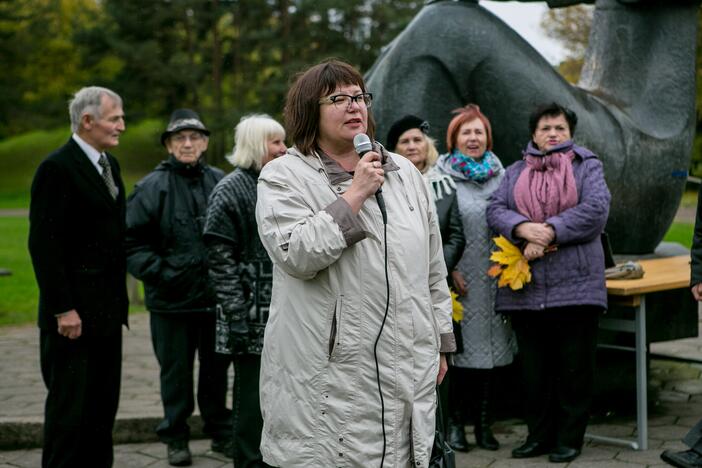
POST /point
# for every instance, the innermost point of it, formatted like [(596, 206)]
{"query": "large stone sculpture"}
[(635, 99)]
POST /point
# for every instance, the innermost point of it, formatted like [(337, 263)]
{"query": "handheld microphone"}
[(362, 144)]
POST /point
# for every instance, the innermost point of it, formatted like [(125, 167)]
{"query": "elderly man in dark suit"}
[(77, 225)]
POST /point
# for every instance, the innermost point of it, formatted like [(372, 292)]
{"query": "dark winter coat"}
[(696, 251), (240, 269), (165, 220), (443, 190), (451, 230), (573, 274)]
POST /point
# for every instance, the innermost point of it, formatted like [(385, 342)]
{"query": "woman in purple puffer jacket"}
[(556, 198)]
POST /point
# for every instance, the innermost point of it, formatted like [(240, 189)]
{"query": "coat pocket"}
[(176, 269), (334, 329)]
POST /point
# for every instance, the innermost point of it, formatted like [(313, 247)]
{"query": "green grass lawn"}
[(681, 233), (18, 292)]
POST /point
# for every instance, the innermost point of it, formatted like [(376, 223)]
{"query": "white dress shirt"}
[(92, 153)]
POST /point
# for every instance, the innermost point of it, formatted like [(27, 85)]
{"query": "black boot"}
[(457, 437), (456, 434), (484, 437)]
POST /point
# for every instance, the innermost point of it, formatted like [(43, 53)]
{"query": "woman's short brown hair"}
[(301, 113), (463, 115)]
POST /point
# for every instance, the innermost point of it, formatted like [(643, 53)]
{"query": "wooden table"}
[(660, 274)]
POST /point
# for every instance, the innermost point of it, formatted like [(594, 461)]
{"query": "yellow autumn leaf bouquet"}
[(511, 266)]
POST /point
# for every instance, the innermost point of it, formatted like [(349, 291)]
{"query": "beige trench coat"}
[(319, 394)]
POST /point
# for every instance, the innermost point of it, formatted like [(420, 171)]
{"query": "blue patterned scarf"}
[(478, 171)]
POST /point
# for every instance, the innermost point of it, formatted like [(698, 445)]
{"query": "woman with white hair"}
[(240, 272)]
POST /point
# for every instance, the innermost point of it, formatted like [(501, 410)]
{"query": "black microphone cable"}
[(362, 144), (380, 332)]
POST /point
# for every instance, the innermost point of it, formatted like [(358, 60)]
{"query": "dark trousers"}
[(557, 349), (82, 377), (458, 385), (247, 421), (466, 392), (176, 337), (693, 439)]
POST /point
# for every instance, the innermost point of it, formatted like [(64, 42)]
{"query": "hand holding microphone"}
[(369, 175), (370, 166)]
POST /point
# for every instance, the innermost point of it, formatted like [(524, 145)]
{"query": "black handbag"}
[(442, 455)]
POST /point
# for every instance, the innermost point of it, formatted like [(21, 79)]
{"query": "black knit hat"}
[(401, 126), (183, 119)]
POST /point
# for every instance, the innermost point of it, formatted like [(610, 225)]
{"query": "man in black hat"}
[(165, 219)]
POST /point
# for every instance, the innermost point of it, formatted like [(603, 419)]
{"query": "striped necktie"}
[(107, 176)]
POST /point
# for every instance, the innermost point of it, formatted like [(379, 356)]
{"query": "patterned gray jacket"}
[(239, 267)]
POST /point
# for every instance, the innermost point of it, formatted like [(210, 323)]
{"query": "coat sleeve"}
[(299, 239), (438, 288), (224, 251), (455, 241), (696, 251), (586, 220), (143, 260), (224, 275), (500, 217), (47, 236)]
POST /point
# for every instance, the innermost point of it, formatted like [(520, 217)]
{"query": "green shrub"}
[(19, 156)]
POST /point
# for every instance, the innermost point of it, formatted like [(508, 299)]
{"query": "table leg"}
[(638, 328), (641, 377)]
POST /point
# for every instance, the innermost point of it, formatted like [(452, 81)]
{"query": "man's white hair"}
[(88, 100)]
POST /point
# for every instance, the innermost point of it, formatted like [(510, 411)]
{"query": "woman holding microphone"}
[(360, 314)]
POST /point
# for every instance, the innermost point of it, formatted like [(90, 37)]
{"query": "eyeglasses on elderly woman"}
[(343, 101)]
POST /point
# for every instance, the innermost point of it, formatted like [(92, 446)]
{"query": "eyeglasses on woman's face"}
[(344, 101)]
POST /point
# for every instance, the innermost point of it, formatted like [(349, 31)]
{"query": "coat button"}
[(341, 454), (338, 189)]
